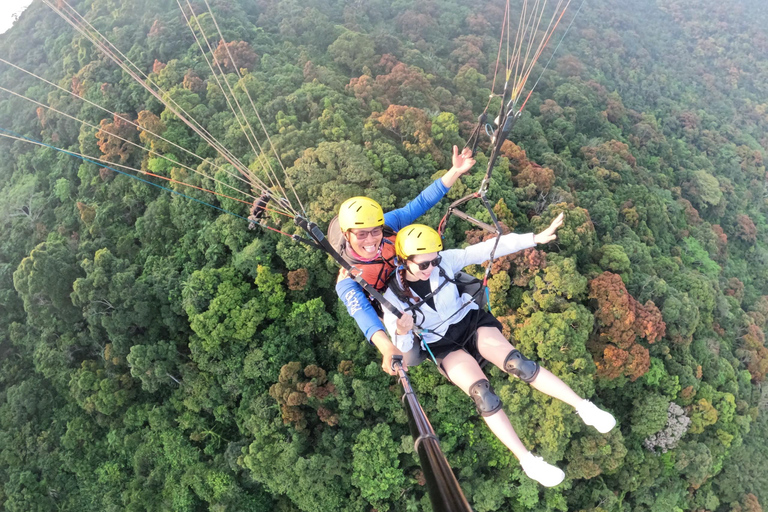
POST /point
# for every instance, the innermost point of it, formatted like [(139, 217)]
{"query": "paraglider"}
[(457, 334), (362, 241), (363, 235)]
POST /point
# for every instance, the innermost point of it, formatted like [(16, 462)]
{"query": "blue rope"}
[(121, 172), (426, 345)]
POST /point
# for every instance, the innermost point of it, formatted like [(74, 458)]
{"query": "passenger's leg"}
[(464, 371), (495, 348)]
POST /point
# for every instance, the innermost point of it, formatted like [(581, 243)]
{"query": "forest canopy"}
[(156, 354)]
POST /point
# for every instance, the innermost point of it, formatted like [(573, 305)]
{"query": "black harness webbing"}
[(322, 242)]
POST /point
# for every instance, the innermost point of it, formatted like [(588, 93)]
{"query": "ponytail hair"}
[(407, 292)]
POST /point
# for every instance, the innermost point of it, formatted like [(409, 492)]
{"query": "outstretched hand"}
[(462, 162), (549, 234)]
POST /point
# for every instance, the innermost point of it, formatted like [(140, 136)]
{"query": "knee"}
[(486, 401), (520, 366)]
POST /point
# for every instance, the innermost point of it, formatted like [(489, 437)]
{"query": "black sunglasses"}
[(424, 265)]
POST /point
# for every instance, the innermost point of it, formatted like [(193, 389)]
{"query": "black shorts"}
[(463, 335)]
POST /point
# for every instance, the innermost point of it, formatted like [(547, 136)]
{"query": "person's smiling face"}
[(366, 242), (421, 266)]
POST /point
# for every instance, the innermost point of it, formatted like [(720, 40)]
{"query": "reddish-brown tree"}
[(295, 394), (622, 320), (469, 52), (612, 155), (721, 241), (691, 213), (113, 137), (399, 84), (410, 126), (297, 279), (542, 177), (150, 124), (235, 55), (735, 288), (77, 86), (753, 353), (193, 83), (569, 65), (516, 155), (478, 24), (745, 229)]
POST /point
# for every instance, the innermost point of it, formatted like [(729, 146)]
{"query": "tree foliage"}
[(155, 354)]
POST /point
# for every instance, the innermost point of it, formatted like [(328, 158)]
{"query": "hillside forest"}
[(156, 354)]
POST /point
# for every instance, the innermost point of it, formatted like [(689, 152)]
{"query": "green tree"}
[(375, 465), (352, 50), (649, 414)]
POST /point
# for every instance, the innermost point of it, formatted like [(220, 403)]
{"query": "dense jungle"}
[(157, 355)]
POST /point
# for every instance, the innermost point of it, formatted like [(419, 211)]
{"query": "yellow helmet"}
[(417, 239), (360, 212)]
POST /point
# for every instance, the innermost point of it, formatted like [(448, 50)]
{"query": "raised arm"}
[(476, 254), (508, 244), (461, 164), (398, 219)]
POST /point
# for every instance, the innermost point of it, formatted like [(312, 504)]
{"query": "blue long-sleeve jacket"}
[(351, 293)]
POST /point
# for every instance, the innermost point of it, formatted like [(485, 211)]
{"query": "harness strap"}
[(318, 236), (415, 308)]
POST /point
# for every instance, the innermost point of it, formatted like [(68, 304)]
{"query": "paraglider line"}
[(553, 54), (126, 174)]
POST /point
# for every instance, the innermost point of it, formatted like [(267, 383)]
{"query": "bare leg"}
[(464, 371), (494, 347)]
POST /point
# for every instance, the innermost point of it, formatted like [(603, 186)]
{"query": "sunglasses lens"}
[(424, 265)]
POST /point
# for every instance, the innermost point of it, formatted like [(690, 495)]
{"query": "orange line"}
[(539, 54), (194, 186)]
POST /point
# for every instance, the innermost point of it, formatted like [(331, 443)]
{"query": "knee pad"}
[(486, 401), (520, 366)]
